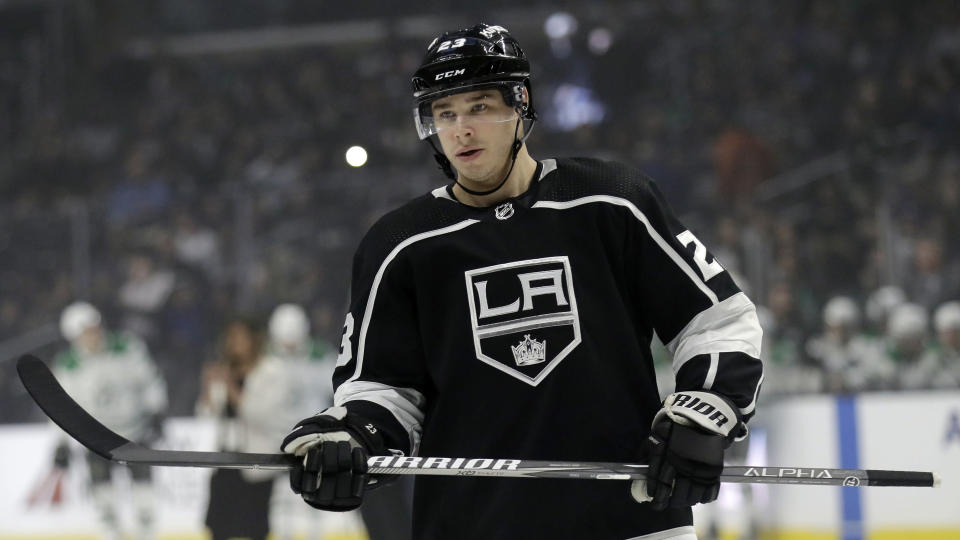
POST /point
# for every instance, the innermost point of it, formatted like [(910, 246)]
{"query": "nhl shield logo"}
[(524, 316)]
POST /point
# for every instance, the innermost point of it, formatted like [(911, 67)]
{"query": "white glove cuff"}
[(707, 410), (302, 444)]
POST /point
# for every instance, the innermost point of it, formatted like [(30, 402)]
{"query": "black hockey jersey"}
[(523, 331)]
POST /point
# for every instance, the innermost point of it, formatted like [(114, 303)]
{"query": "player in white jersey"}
[(292, 380), (939, 365), (509, 314), (946, 323), (112, 376), (849, 360)]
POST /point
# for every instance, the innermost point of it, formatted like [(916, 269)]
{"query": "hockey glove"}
[(334, 446), (685, 449)]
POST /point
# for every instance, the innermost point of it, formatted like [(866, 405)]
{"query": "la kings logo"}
[(524, 316)]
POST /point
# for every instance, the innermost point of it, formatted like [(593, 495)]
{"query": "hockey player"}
[(848, 360), (510, 314), (112, 376), (946, 323), (939, 365), (907, 345), (291, 381)]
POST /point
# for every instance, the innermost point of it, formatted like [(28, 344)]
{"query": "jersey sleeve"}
[(706, 322), (380, 372)]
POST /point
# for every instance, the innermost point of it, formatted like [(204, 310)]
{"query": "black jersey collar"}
[(525, 199)]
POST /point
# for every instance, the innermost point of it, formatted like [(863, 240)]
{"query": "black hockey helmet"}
[(483, 56)]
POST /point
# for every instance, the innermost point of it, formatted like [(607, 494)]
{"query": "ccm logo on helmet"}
[(452, 73)]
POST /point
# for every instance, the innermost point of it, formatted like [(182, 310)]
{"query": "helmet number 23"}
[(452, 44), (346, 348)]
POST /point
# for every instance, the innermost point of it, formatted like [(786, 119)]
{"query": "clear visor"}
[(464, 108)]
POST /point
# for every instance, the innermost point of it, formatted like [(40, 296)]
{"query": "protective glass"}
[(489, 109)]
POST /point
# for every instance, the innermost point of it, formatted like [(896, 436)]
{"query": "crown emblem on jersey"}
[(529, 351)]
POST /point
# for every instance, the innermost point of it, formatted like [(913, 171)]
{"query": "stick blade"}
[(88, 431), (63, 410)]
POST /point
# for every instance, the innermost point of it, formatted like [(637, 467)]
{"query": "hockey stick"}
[(66, 413)]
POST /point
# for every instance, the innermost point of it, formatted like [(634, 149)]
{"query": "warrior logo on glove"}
[(695, 404)]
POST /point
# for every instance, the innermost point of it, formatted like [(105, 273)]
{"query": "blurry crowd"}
[(813, 145)]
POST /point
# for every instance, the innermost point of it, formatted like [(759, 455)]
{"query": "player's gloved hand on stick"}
[(334, 445), (61, 456), (685, 449)]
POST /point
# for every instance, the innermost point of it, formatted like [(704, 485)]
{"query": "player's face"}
[(476, 130), (91, 340)]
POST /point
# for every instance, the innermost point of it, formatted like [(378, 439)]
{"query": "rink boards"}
[(181, 493), (918, 431), (908, 431)]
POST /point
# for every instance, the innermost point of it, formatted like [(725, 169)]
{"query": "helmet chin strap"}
[(447, 168), (517, 145)]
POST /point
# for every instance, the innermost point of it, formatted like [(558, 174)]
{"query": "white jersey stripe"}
[(654, 234), (372, 298), (712, 371), (538, 321), (753, 403), (730, 326)]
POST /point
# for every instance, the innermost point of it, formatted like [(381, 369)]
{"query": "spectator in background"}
[(930, 281), (144, 293), (850, 361), (946, 322), (939, 366), (142, 193), (237, 506), (741, 161), (113, 378), (197, 246)]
